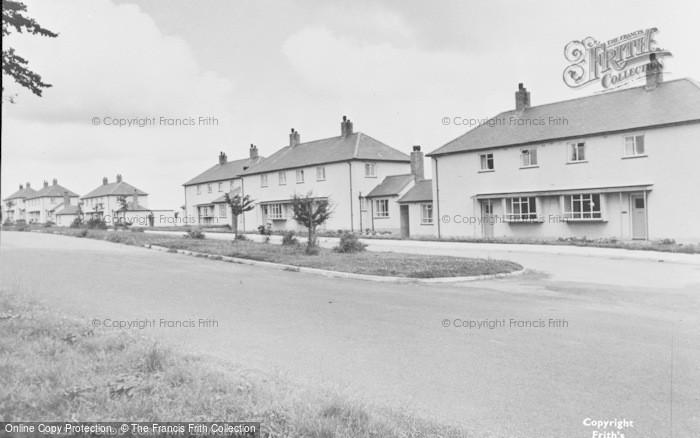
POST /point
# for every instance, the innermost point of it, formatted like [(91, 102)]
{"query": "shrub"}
[(77, 223), (265, 231), (241, 237), (83, 233), (290, 238), (666, 242), (194, 234), (137, 229), (312, 250), (48, 224), (96, 223), (21, 225), (113, 237), (349, 243), (7, 223)]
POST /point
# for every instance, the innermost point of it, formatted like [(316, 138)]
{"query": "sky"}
[(260, 68)]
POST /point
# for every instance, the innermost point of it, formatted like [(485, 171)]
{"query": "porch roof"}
[(566, 191)]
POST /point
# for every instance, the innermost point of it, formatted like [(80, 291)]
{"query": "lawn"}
[(58, 368), (369, 263)]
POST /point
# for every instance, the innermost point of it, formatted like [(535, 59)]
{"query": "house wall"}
[(110, 205), (673, 154), (65, 220), (416, 228), (38, 209), (17, 211), (192, 199)]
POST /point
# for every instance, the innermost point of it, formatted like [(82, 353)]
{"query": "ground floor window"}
[(381, 208), (222, 210), (582, 207), (426, 214), (273, 211), (521, 209)]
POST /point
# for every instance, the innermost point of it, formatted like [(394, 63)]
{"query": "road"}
[(630, 350)]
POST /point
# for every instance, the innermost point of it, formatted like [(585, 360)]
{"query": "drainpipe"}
[(243, 196), (352, 217), (646, 216), (371, 210), (437, 199), (185, 218), (359, 197)]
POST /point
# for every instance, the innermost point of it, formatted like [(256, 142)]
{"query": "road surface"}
[(624, 341)]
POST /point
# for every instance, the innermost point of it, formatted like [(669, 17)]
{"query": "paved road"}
[(629, 352)]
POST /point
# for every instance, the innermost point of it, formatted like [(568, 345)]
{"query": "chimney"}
[(104, 181), (136, 197), (55, 181), (345, 127), (522, 99), (294, 138), (655, 73), (119, 177), (66, 198), (417, 164), (222, 158), (253, 151), (46, 183), (28, 186)]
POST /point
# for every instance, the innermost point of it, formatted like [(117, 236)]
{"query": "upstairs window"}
[(528, 157), (321, 173), (263, 180), (230, 185), (283, 178), (370, 170), (300, 176), (521, 209), (577, 152), (208, 188), (221, 186), (634, 145), (381, 208), (582, 207), (199, 189), (486, 162)]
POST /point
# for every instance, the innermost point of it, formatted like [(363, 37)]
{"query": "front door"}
[(404, 220), (639, 217), (487, 217)]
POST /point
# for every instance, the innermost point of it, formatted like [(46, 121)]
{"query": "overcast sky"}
[(396, 68)]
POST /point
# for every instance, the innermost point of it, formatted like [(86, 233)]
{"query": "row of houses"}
[(113, 202), (620, 164)]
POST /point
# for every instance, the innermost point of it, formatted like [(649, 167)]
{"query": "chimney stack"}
[(294, 138), (345, 127), (28, 186), (104, 181), (119, 177), (522, 99), (222, 158), (21, 187), (253, 151), (46, 183), (417, 169), (66, 198), (136, 197), (55, 181), (655, 73)]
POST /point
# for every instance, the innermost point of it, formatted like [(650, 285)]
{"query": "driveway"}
[(622, 342)]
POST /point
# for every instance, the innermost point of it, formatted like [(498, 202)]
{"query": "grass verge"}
[(55, 368), (369, 263)]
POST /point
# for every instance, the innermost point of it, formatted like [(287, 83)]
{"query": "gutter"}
[(437, 197)]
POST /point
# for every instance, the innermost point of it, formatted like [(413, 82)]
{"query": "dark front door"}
[(404, 221)]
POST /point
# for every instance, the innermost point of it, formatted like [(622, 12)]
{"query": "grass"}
[(55, 368), (369, 263)]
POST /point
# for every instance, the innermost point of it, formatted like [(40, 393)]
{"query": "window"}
[(486, 162), (199, 189), (221, 186), (381, 208), (208, 188), (528, 157), (426, 217), (577, 152), (274, 211), (370, 170), (363, 204), (521, 209), (321, 173), (634, 145), (300, 176), (222, 210), (53, 200), (263, 180), (230, 185), (283, 178), (582, 207)]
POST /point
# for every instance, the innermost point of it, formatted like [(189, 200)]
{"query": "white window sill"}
[(319, 180), (584, 220), (370, 176), (486, 170), (535, 166), (381, 217), (626, 157), (525, 221), (427, 223), (577, 162)]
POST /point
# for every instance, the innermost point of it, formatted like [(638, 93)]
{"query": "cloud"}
[(110, 60)]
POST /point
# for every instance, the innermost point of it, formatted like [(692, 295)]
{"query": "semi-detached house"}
[(14, 204), (43, 205), (621, 164)]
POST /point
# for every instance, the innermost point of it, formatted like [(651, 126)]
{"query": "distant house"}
[(621, 164), (107, 201), (417, 208), (339, 168), (380, 209), (14, 204), (67, 212), (131, 212), (42, 205), (204, 194)]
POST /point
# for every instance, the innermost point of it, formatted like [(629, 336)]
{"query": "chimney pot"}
[(253, 151), (21, 187), (222, 158), (522, 98), (119, 177), (104, 181), (345, 127), (28, 186), (55, 181), (654, 72), (294, 138), (46, 183), (417, 166), (66, 198)]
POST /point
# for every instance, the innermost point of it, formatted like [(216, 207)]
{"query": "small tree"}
[(238, 205), (310, 213)]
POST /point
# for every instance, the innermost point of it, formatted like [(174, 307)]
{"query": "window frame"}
[(574, 145), (209, 188), (282, 178), (528, 152), (423, 219), (274, 211), (569, 210), (373, 168), (300, 172), (634, 153), (263, 180), (222, 211), (532, 209), (492, 160), (199, 189), (320, 173), (381, 213)]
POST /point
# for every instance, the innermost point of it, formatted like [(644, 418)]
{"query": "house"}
[(68, 211), (381, 211), (133, 213), (339, 169), (621, 164), (42, 205), (205, 202), (14, 204), (107, 201), (416, 208)]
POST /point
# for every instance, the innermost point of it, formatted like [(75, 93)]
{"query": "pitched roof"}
[(228, 170), (356, 146), (133, 206), (54, 191), (21, 194), (676, 101), (222, 199), (391, 185), (71, 209), (114, 189), (422, 191)]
